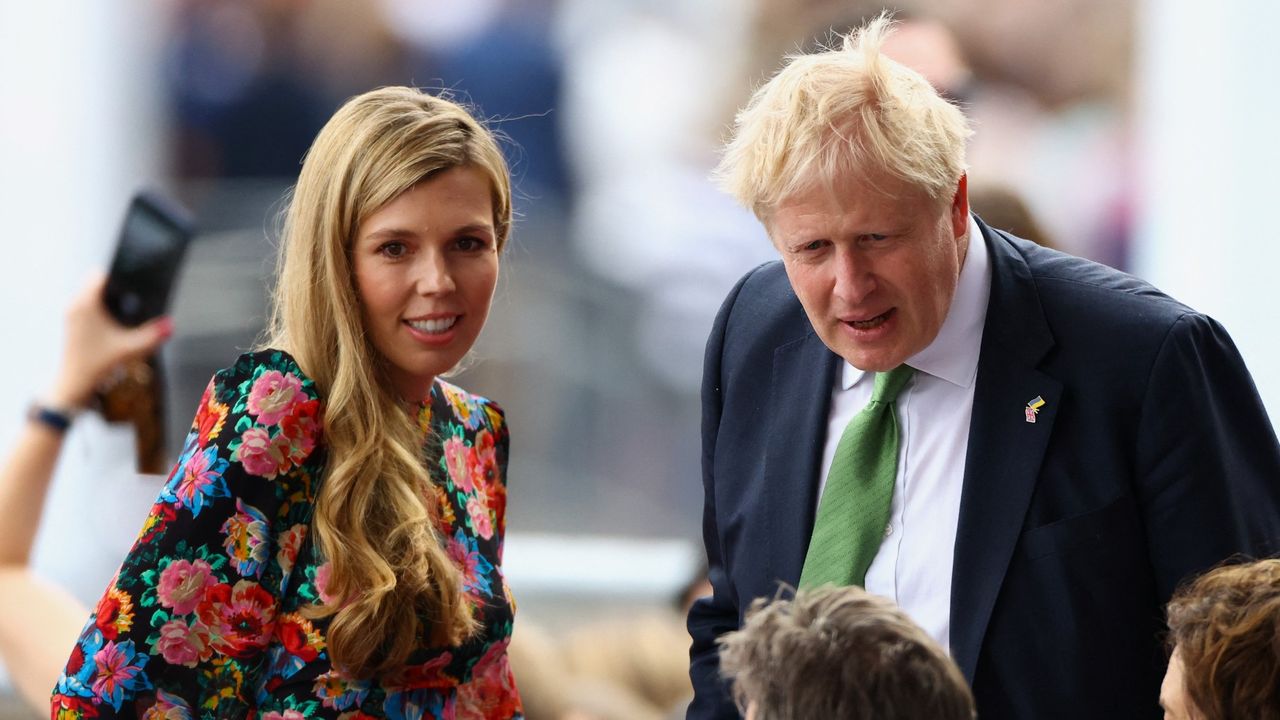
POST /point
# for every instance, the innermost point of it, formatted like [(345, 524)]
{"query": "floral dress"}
[(204, 617)]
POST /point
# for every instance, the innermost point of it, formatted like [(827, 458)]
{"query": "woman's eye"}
[(393, 250), (469, 243)]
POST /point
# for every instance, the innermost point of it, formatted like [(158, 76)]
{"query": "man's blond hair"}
[(843, 110)]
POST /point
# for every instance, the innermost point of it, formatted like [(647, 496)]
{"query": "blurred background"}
[(1140, 133)]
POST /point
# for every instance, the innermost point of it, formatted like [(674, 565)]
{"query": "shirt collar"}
[(953, 354)]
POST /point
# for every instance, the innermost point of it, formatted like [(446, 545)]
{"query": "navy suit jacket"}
[(1152, 459)]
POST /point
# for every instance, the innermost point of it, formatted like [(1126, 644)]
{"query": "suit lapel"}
[(800, 400), (1005, 448)]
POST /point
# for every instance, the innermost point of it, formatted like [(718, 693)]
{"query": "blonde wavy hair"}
[(375, 507), (838, 111)]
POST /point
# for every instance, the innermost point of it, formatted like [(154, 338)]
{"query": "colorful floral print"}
[(114, 614), (197, 480), (183, 585), (490, 694), (246, 539), (273, 396), (207, 617)]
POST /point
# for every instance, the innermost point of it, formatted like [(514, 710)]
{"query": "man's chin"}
[(872, 359)]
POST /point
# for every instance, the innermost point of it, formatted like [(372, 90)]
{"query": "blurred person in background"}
[(988, 432), (1054, 122), (1003, 207), (644, 654), (38, 618), (1224, 635), (840, 653), (614, 668), (358, 568)]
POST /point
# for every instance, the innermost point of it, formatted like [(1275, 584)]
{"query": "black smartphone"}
[(148, 255)]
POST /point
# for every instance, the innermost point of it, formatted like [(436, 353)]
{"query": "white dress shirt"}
[(913, 565)]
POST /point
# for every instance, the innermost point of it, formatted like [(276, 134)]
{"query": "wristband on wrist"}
[(56, 419)]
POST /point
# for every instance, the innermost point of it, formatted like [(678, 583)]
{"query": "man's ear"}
[(960, 207)]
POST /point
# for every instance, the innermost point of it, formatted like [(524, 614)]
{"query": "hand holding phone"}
[(148, 255)]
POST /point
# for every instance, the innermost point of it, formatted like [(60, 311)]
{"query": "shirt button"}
[(888, 530)]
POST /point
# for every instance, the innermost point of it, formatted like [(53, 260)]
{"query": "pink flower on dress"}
[(458, 461), (481, 520), (464, 551), (491, 693), (201, 480), (118, 670), (273, 395), (261, 455), (322, 584), (183, 644), (182, 585)]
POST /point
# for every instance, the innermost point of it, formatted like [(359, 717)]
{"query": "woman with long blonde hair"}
[(328, 544)]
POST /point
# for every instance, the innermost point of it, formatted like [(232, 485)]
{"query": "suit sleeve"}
[(1208, 460), (184, 624), (712, 616)]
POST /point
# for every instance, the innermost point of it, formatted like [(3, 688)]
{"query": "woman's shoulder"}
[(262, 413), (472, 411), (265, 370), (257, 362)]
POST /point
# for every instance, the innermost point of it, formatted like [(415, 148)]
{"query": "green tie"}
[(855, 504)]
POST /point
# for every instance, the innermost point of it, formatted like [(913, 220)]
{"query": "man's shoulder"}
[(767, 284), (763, 305), (1070, 287)]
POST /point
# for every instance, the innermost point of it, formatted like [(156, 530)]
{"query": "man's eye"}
[(815, 245), (393, 250)]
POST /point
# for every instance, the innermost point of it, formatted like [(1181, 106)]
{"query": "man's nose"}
[(854, 277), (433, 276)]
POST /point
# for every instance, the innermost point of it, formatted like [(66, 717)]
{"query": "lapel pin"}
[(1033, 407)]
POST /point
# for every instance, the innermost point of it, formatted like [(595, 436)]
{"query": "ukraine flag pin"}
[(1033, 407)]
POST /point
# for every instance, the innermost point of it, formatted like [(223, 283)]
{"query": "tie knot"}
[(889, 384)]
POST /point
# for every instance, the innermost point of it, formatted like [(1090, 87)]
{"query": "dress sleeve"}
[(491, 692), (184, 623)]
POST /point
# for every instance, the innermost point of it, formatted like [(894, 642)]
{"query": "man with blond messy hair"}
[(840, 653), (1024, 450)]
